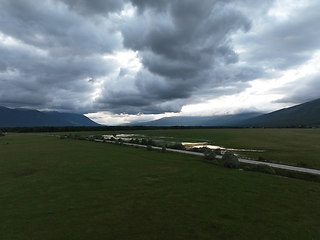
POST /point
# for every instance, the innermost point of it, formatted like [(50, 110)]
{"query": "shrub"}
[(91, 138), (163, 149), (218, 151), (149, 147), (144, 141), (196, 149), (82, 138), (202, 149), (298, 175), (264, 168), (151, 142), (230, 160), (303, 164), (248, 168), (75, 136), (100, 137), (178, 146), (209, 155)]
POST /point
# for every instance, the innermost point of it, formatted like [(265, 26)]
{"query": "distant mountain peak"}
[(305, 114), (22, 117)]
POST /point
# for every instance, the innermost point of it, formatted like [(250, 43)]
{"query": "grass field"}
[(71, 189), (289, 146)]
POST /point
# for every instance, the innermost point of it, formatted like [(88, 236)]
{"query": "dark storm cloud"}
[(185, 38), (181, 44), (53, 29), (94, 7), (62, 54), (142, 95), (49, 54), (133, 103), (31, 78), (287, 43)]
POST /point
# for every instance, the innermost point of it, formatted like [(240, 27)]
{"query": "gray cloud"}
[(60, 54), (31, 78), (181, 44), (185, 38), (287, 43), (49, 54), (55, 30), (142, 5), (94, 7)]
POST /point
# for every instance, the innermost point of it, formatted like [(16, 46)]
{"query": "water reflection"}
[(187, 145), (122, 136), (190, 145)]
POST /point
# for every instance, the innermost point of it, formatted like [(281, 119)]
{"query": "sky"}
[(121, 61)]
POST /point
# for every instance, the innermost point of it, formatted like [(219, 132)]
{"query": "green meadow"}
[(71, 189), (287, 146)]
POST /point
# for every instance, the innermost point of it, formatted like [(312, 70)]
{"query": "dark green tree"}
[(209, 155), (230, 160), (163, 149), (144, 141)]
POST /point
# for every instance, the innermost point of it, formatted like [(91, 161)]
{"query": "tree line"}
[(96, 128)]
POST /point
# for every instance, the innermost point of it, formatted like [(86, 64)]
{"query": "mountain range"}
[(21, 117), (302, 115), (217, 120)]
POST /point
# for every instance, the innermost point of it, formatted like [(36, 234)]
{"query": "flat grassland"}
[(288, 146), (72, 189)]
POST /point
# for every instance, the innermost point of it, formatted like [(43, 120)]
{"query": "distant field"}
[(290, 146), (72, 189)]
